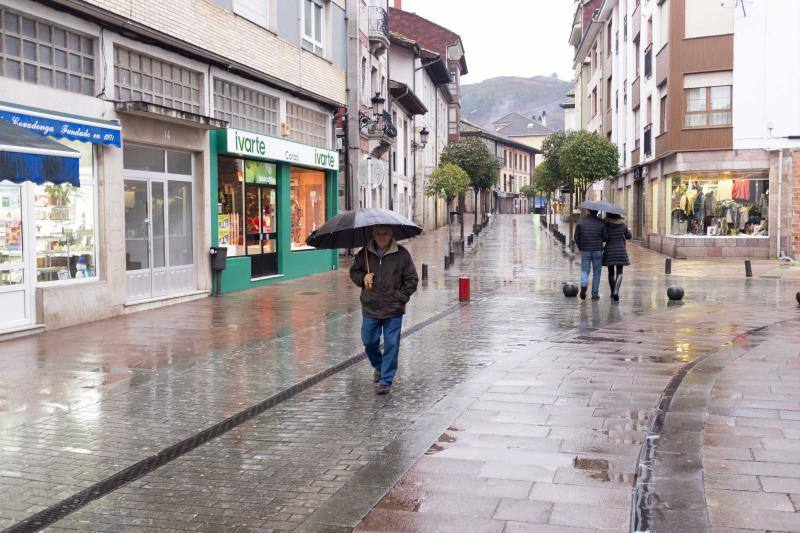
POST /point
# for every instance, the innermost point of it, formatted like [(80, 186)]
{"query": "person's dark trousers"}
[(592, 262), (612, 276), (386, 362)]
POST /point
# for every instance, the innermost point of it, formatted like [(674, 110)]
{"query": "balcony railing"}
[(662, 144), (648, 140), (648, 61), (662, 66), (378, 25)]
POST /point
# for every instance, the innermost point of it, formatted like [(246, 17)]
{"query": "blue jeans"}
[(592, 261), (371, 337)]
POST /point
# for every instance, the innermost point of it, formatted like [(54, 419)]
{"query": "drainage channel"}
[(642, 518), (69, 505)]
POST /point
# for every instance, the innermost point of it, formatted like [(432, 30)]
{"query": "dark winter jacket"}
[(590, 233), (394, 282), (616, 252)]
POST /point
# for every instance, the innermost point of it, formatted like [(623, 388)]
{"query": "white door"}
[(159, 235), (16, 307)]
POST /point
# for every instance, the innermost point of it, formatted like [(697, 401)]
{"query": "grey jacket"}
[(590, 234), (394, 282)]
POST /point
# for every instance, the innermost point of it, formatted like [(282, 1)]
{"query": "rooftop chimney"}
[(398, 4), (544, 118)]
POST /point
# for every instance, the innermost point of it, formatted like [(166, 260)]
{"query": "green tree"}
[(448, 181), (587, 158), (482, 167)]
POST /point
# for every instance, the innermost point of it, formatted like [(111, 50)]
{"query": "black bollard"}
[(424, 271), (675, 293), (452, 257), (668, 266), (463, 246), (797, 297), (748, 268), (446, 262)]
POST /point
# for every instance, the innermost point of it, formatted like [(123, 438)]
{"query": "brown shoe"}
[(382, 389), (376, 376)]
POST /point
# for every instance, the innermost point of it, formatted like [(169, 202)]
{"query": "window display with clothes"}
[(719, 204)]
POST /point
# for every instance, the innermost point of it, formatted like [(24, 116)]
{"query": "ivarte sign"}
[(265, 147)]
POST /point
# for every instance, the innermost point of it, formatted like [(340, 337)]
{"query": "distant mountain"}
[(483, 103)]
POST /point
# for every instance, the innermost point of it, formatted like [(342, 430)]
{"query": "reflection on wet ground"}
[(519, 391)]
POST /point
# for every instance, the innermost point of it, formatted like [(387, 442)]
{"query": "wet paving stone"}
[(520, 389)]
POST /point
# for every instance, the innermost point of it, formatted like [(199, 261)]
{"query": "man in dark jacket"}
[(387, 283), (590, 234)]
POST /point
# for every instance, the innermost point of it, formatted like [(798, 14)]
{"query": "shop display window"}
[(230, 228), (11, 254), (65, 229), (719, 204), (307, 205)]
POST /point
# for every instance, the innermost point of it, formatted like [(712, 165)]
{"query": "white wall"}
[(713, 17), (402, 65), (766, 74)]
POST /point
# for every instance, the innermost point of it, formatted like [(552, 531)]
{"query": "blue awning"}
[(25, 156), (62, 125)]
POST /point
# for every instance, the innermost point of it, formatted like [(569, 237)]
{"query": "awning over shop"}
[(25, 156), (62, 125)]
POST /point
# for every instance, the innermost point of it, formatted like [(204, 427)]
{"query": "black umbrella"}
[(605, 207), (352, 229)]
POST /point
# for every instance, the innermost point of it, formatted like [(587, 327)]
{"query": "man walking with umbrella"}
[(590, 234), (387, 276)]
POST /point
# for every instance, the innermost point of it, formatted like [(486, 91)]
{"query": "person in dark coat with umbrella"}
[(615, 254), (590, 234), (387, 276)]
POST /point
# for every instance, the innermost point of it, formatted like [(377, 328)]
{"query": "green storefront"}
[(270, 195)]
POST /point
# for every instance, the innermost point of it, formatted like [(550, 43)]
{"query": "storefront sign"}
[(99, 132), (265, 147)]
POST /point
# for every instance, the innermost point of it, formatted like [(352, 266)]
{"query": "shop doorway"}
[(159, 234), (16, 306), (260, 202), (639, 209)]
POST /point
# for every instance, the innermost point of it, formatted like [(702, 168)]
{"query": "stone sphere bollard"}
[(675, 293), (797, 296), (570, 290)]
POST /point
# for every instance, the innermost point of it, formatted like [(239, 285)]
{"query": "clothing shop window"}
[(230, 217), (719, 204), (708, 106), (36, 51), (65, 224), (313, 24), (139, 77), (307, 205)]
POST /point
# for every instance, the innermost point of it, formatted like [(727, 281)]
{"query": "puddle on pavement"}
[(434, 449), (600, 470)]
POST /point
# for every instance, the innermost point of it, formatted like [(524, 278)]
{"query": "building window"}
[(253, 10), (313, 23), (38, 52), (708, 106), (609, 35), (625, 28), (244, 108), (719, 204), (663, 114), (609, 92), (307, 199), (65, 224), (594, 101), (139, 77), (636, 57), (307, 126)]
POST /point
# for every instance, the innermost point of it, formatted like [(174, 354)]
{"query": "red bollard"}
[(463, 289)]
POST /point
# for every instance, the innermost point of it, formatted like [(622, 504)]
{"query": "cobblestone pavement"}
[(520, 411)]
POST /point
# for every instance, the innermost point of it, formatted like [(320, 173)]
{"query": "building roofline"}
[(496, 137)]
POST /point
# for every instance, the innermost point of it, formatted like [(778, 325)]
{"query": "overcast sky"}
[(506, 37)]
